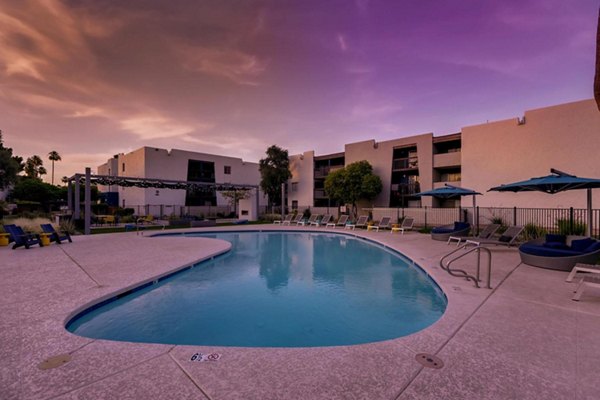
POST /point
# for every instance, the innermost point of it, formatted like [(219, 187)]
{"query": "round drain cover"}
[(429, 360), (55, 362)]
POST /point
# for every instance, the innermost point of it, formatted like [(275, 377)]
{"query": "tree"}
[(10, 166), (274, 171), (53, 156), (352, 183), (34, 167), (234, 196)]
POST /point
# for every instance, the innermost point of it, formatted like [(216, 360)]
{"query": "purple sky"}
[(92, 78)]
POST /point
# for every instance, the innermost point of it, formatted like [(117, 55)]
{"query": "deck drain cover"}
[(55, 362), (429, 360)]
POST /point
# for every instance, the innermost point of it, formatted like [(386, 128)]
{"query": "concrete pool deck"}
[(525, 339)]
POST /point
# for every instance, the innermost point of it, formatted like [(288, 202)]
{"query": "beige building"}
[(181, 165), (565, 137)]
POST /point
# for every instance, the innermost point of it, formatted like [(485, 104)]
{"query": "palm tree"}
[(53, 156)]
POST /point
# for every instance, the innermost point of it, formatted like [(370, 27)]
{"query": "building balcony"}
[(442, 184), (446, 160), (405, 164), (320, 194)]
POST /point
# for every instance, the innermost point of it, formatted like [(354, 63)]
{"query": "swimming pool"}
[(276, 289)]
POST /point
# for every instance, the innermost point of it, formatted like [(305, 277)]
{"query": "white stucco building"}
[(181, 165)]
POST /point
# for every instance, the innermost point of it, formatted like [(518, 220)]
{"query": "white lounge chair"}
[(383, 224), (592, 269), (293, 220), (287, 219), (361, 222), (487, 233), (323, 222), (341, 222), (586, 282), (406, 225), (309, 221)]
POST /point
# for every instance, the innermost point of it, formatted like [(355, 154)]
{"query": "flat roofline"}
[(330, 156), (447, 138)]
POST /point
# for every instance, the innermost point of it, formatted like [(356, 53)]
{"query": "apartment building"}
[(565, 137), (181, 165)]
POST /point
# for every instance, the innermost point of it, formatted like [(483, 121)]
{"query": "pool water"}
[(276, 289)]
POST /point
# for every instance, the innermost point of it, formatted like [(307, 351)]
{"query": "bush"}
[(532, 231), (564, 227), (121, 212), (67, 226)]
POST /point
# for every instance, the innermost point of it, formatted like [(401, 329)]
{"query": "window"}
[(227, 170), (123, 167), (294, 186), (294, 204)]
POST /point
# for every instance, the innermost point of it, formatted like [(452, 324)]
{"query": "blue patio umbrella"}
[(556, 182), (448, 192)]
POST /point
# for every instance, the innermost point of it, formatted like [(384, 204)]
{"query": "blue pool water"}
[(276, 289)]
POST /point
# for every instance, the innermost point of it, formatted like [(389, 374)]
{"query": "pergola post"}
[(88, 200), (70, 196), (77, 213)]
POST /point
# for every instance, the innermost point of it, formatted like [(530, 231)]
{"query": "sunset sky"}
[(93, 78)]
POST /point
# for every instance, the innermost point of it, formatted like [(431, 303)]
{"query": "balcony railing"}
[(405, 163)]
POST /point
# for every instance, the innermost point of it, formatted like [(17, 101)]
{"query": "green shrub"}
[(564, 227), (67, 226), (532, 231)]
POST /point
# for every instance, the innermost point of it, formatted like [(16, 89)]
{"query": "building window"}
[(123, 167), (157, 193), (294, 186), (227, 170), (294, 204)]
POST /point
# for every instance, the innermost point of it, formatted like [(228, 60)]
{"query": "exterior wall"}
[(565, 137), (302, 167), (150, 162), (109, 168), (380, 155)]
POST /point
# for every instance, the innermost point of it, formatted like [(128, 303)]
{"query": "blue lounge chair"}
[(54, 235), (21, 238)]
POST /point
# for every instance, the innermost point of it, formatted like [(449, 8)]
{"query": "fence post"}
[(515, 216), (571, 218), (425, 217), (476, 217)]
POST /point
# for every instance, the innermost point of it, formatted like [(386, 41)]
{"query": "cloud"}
[(155, 127), (235, 65), (342, 42)]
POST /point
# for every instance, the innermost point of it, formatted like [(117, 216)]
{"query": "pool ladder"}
[(445, 265)]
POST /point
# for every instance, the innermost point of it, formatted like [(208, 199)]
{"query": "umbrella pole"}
[(475, 229), (588, 229)]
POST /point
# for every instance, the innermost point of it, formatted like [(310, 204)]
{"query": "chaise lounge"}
[(457, 229), (560, 252)]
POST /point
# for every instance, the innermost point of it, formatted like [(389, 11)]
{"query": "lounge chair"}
[(309, 221), (443, 233), (587, 268), (340, 222), (383, 224), (323, 221), (148, 219), (586, 282), (361, 222), (406, 225), (287, 219), (486, 233), (293, 220), (55, 236), (21, 238), (508, 238)]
